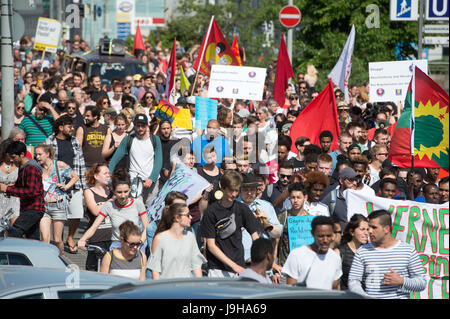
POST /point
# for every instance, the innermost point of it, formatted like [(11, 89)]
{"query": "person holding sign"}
[(386, 267), (297, 197), (315, 265)]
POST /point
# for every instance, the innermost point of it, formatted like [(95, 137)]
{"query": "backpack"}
[(125, 160)]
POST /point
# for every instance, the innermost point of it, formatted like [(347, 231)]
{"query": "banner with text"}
[(389, 81), (48, 33), (422, 225), (299, 231), (182, 180), (236, 82)]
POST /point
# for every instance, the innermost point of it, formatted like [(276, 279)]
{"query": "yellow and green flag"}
[(183, 81)]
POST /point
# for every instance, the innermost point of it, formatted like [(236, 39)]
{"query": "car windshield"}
[(109, 71)]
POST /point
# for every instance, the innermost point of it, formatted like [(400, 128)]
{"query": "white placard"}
[(48, 33), (236, 82), (389, 80)]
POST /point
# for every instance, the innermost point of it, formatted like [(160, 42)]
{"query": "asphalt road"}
[(79, 258)]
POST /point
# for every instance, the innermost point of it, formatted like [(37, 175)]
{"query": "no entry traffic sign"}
[(290, 16)]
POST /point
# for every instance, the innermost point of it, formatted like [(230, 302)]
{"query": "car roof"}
[(14, 279), (41, 254), (216, 288)]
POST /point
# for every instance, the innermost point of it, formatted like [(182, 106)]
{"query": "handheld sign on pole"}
[(48, 33)]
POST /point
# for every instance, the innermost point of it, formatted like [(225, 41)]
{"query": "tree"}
[(318, 39)]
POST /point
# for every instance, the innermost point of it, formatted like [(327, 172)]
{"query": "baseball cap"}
[(140, 118), (347, 172), (137, 77), (343, 106), (243, 113)]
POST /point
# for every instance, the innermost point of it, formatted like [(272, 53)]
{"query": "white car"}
[(23, 282), (27, 252)]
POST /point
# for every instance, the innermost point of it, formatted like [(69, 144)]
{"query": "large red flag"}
[(172, 69), (214, 50), (283, 73), (317, 116), (138, 42), (429, 119)]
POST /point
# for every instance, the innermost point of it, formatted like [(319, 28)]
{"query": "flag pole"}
[(413, 98), (202, 53)]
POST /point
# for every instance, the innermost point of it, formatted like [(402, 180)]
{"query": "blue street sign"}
[(403, 10), (437, 10)]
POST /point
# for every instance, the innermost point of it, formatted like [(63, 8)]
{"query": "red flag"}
[(283, 73), (172, 68), (317, 116), (235, 48), (214, 50), (138, 41), (429, 119)]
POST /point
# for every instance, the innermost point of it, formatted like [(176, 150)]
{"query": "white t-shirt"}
[(374, 175), (316, 209), (141, 158), (320, 270)]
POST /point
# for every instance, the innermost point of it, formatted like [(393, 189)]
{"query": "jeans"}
[(27, 224)]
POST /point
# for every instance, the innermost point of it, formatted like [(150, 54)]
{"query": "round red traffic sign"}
[(290, 16)]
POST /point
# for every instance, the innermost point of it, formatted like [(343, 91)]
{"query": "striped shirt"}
[(34, 135), (370, 264)]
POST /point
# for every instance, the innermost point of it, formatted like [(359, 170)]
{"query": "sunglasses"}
[(136, 245), (285, 176), (21, 107)]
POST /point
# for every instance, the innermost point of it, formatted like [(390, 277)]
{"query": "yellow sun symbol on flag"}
[(429, 111)]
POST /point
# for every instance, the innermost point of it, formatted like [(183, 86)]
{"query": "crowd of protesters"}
[(85, 133)]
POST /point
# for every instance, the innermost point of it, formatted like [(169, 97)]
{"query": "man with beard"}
[(91, 136), (211, 137), (94, 82), (273, 191), (385, 267), (443, 189), (39, 126), (68, 149), (432, 175), (325, 138)]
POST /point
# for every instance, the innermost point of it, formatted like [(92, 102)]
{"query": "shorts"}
[(76, 209), (54, 212)]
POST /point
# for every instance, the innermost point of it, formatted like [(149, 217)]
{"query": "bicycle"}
[(5, 226), (99, 253)]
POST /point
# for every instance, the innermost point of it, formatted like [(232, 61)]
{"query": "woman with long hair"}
[(356, 233), (95, 197), (8, 175), (127, 261), (113, 139), (122, 208), (174, 252), (57, 178)]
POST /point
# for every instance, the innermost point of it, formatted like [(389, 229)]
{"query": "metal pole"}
[(290, 37), (91, 12), (419, 51), (105, 17), (7, 69)]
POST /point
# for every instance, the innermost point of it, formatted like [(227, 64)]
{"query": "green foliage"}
[(318, 39)]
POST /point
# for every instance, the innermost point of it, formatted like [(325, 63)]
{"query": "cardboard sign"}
[(299, 231), (48, 33), (205, 110)]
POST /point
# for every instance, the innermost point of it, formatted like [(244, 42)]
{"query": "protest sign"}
[(236, 82), (48, 32), (182, 180), (299, 231), (422, 225), (183, 119), (205, 110), (389, 81)]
